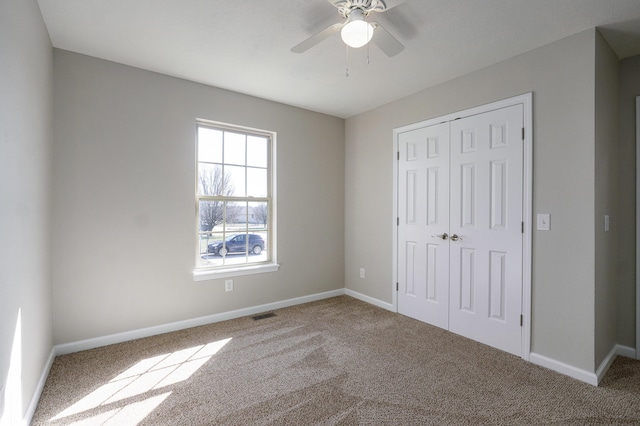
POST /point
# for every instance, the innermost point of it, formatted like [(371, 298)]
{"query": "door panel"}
[(486, 269), (463, 178), (423, 211)]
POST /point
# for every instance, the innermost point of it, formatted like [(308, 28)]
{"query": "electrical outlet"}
[(361, 272), (228, 285)]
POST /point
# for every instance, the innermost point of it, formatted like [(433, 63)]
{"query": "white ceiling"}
[(244, 45)]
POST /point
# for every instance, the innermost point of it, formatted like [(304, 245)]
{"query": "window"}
[(234, 201)]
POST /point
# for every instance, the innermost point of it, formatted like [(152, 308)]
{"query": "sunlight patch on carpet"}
[(130, 414), (143, 377)]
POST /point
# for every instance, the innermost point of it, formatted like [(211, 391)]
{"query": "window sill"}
[(208, 274)]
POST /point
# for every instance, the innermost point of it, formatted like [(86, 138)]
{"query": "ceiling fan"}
[(355, 30)]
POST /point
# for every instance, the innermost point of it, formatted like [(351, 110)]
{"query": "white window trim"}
[(203, 274), (207, 274)]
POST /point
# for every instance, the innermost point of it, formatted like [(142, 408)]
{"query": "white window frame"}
[(224, 271)]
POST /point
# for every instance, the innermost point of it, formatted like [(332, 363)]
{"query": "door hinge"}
[(523, 133), (397, 286), (398, 155), (522, 228), (397, 221), (521, 320)]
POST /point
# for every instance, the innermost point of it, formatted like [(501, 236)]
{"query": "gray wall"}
[(25, 175), (561, 77), (124, 184), (629, 89), (606, 202)]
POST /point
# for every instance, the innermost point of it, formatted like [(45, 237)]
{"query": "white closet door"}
[(423, 210), (460, 241), (486, 217)]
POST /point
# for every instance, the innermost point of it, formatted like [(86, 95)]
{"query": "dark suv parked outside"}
[(237, 243)]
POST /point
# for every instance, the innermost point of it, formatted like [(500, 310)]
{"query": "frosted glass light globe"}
[(357, 32)]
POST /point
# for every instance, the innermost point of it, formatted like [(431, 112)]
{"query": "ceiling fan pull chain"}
[(347, 60), (368, 44)]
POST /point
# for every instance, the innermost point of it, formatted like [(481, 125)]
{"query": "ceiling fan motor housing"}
[(356, 31), (345, 7)]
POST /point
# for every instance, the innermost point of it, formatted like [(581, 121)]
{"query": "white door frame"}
[(637, 227), (527, 201)]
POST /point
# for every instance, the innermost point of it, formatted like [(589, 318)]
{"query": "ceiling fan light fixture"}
[(357, 32)]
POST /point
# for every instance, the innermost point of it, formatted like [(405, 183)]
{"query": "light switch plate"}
[(544, 221)]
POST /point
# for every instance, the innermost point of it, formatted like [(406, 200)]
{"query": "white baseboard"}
[(97, 342), (562, 368), (626, 351), (617, 349), (369, 300), (31, 410), (606, 362)]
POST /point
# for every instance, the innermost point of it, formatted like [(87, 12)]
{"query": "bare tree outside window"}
[(213, 182), (261, 213)]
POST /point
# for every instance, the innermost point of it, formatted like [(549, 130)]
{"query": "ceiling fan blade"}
[(336, 3), (385, 41), (393, 3), (316, 38)]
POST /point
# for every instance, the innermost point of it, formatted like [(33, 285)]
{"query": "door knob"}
[(442, 236), (455, 237)]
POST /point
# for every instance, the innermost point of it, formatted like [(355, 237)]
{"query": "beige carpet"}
[(336, 361)]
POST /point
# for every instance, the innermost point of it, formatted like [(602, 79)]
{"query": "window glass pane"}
[(257, 151), (209, 145), (234, 148), (211, 215), (235, 176), (211, 180), (256, 182), (258, 215), (229, 242), (236, 217), (211, 238)]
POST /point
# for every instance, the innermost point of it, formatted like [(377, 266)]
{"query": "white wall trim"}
[(208, 275), (617, 349), (526, 100), (370, 300), (606, 362), (626, 351), (527, 217), (82, 345), (562, 368), (31, 409), (637, 354), (583, 375)]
